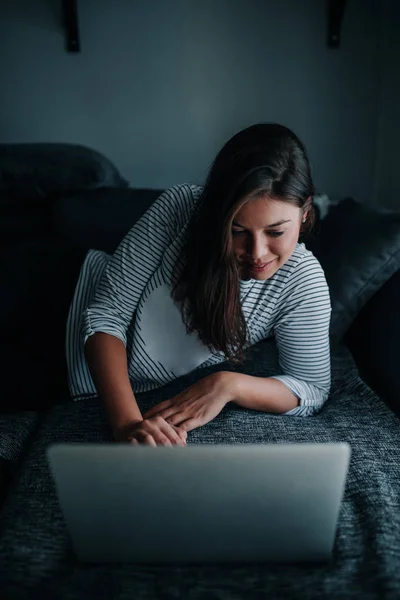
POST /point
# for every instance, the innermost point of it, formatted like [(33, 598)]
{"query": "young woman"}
[(203, 275)]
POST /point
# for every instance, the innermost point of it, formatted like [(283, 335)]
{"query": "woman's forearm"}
[(106, 357), (262, 393)]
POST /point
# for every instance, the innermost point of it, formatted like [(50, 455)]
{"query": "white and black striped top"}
[(128, 295)]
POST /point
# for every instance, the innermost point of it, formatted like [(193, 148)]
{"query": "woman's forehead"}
[(266, 207)]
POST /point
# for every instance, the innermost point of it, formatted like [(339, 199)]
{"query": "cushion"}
[(36, 171), (359, 250), (374, 340), (100, 219)]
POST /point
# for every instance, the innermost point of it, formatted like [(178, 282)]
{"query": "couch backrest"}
[(101, 218)]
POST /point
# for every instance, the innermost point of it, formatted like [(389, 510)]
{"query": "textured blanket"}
[(16, 432), (36, 560)]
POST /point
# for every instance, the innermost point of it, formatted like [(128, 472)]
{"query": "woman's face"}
[(264, 235)]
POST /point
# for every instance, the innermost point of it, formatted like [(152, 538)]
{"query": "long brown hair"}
[(266, 159)]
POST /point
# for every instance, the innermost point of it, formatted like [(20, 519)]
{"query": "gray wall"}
[(388, 152), (160, 85)]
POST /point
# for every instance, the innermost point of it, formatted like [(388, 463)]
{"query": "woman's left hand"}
[(197, 404)]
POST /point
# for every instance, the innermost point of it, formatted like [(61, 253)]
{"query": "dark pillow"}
[(359, 250), (374, 341), (101, 218), (37, 171)]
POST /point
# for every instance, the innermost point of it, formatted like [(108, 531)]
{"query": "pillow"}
[(36, 171), (100, 219), (374, 341), (359, 249), (322, 204)]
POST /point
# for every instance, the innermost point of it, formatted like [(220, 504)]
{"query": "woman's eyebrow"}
[(266, 226)]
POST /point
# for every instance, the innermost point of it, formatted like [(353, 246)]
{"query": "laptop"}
[(200, 503)]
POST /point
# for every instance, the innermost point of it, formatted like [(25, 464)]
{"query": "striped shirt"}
[(128, 295)]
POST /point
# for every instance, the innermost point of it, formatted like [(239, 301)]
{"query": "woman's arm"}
[(106, 357), (203, 401), (109, 314), (302, 337), (134, 262), (262, 393)]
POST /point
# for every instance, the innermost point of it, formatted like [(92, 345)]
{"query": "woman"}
[(204, 274)]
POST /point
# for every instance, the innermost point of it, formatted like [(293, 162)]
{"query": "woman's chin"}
[(259, 274)]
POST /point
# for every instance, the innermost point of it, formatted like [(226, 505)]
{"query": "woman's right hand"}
[(154, 431)]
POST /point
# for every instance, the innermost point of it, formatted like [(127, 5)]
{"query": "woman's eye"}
[(273, 234)]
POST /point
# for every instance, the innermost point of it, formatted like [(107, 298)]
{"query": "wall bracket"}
[(336, 10), (70, 19)]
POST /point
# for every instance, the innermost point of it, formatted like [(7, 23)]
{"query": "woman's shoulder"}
[(183, 193), (304, 271), (176, 204)]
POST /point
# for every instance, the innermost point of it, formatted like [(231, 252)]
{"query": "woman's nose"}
[(259, 248)]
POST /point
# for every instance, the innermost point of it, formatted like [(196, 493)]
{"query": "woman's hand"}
[(198, 404), (154, 431)]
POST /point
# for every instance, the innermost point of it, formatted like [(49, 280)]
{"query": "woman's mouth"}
[(261, 268)]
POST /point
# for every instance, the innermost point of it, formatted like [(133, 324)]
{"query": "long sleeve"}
[(134, 262), (302, 337)]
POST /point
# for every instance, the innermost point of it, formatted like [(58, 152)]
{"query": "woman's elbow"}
[(311, 402)]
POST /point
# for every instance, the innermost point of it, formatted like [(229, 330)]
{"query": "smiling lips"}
[(261, 267)]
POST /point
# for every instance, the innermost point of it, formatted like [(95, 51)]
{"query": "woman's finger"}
[(162, 440), (148, 440), (176, 418), (173, 435), (190, 424), (157, 408), (168, 413), (180, 433)]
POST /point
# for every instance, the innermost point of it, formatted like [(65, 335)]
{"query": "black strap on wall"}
[(335, 16), (70, 16)]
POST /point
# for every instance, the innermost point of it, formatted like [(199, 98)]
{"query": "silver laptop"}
[(200, 503)]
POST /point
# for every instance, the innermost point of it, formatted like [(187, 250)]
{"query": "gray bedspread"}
[(36, 560), (16, 433)]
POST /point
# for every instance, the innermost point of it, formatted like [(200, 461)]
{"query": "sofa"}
[(59, 200)]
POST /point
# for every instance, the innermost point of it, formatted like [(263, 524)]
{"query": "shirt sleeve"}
[(302, 337), (134, 262)]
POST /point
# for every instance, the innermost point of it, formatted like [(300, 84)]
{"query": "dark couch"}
[(58, 201)]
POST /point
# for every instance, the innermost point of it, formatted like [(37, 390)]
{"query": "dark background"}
[(160, 85)]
